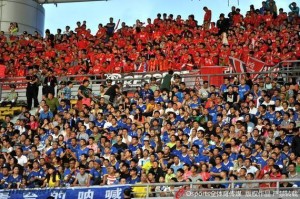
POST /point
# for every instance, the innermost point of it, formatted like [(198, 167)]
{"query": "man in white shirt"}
[(268, 101), (253, 109), (250, 168), (22, 159)]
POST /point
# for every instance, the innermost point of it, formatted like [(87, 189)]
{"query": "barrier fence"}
[(209, 189), (212, 189), (213, 74)]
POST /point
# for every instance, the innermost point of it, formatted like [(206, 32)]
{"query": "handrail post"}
[(277, 187), (1, 91), (147, 193)]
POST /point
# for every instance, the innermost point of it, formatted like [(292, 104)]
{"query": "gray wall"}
[(29, 15)]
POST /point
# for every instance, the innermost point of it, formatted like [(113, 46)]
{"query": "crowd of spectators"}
[(242, 130), (166, 42)]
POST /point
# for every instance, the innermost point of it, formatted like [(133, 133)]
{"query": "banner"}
[(138, 79), (2, 71), (237, 65), (105, 192), (213, 80), (255, 65), (19, 82)]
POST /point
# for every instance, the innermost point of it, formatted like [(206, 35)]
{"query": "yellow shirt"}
[(51, 183), (150, 107), (147, 166), (139, 192), (170, 144)]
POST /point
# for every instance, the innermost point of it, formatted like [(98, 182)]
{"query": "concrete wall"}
[(29, 15)]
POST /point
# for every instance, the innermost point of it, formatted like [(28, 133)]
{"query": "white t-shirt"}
[(22, 160), (251, 169)]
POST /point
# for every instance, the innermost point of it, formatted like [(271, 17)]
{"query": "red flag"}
[(255, 65), (237, 65)]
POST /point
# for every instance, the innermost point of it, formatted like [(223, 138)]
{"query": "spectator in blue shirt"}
[(244, 89), (177, 164), (37, 176), (46, 113), (218, 168), (66, 93), (4, 176), (63, 107), (15, 179), (146, 92), (134, 178)]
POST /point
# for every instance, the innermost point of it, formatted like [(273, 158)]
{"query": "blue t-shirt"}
[(14, 180), (217, 170), (100, 124), (186, 159), (158, 99), (243, 90), (133, 181), (58, 151), (260, 161), (40, 174), (81, 151), (5, 178), (96, 175)]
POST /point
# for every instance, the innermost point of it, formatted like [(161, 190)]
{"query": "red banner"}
[(255, 65), (20, 83), (213, 80), (2, 71), (237, 65)]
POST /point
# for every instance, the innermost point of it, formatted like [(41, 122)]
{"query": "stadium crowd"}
[(166, 42), (242, 130)]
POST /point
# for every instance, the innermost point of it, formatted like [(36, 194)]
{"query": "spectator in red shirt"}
[(207, 18)]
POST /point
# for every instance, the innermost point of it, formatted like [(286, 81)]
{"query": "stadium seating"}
[(243, 129)]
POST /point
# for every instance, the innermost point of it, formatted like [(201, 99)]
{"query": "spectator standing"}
[(223, 24), (294, 8), (166, 81), (207, 18), (49, 83), (296, 143), (110, 27), (31, 89), (66, 93), (83, 94)]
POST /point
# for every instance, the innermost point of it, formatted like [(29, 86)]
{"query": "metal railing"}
[(211, 189), (284, 70)]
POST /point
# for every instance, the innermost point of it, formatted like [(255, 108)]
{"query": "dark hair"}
[(54, 174)]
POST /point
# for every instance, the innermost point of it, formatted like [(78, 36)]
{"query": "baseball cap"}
[(98, 161), (6, 166)]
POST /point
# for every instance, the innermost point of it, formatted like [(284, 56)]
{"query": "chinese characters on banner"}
[(112, 192)]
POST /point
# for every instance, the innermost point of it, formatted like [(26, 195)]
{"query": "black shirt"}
[(111, 91), (50, 81), (84, 91), (31, 78), (230, 97)]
